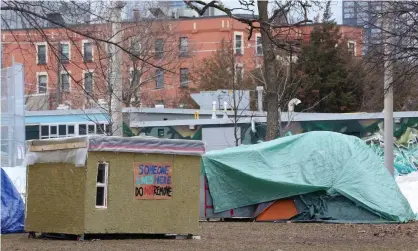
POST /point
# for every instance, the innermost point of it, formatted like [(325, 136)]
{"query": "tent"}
[(12, 207), (330, 176)]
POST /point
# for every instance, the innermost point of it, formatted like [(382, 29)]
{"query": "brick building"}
[(158, 58)]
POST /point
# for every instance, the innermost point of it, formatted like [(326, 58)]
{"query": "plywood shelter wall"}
[(55, 198), (125, 214)]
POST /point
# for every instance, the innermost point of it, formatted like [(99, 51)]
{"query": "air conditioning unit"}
[(159, 106)]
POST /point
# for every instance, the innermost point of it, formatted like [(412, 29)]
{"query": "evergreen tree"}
[(324, 63)]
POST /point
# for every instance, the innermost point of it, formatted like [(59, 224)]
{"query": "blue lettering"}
[(146, 170), (141, 169), (168, 180), (146, 180), (161, 180)]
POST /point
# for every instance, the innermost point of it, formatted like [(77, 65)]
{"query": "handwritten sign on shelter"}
[(153, 181)]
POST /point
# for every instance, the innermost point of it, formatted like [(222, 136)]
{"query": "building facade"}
[(159, 57), (363, 14)]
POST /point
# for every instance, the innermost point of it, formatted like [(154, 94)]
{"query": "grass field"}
[(247, 236)]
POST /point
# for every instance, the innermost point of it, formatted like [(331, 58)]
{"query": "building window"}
[(161, 133), (65, 53), (259, 46), (87, 52), (42, 83), (82, 129), (349, 15), (65, 82), (159, 78), (91, 129), (184, 47), (41, 54), (239, 73), (348, 4), (352, 48), (70, 130), (88, 82), (101, 185), (159, 48), (238, 44), (135, 46), (184, 76)]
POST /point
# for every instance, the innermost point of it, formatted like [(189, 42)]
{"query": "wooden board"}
[(59, 146)]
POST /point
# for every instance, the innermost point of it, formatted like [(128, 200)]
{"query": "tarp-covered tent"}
[(332, 163), (12, 207)]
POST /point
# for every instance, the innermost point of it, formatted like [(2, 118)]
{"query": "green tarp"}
[(315, 161)]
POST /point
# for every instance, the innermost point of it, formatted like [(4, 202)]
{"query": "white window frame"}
[(76, 128), (104, 185), (69, 80), (92, 80), (71, 134), (46, 52), (235, 71), (240, 33), (355, 46), (38, 74), (92, 50), (258, 35), (69, 49)]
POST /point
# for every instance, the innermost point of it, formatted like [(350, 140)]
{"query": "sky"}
[(336, 9)]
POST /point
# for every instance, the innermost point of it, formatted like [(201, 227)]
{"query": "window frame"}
[(76, 129), (258, 36), (183, 53), (69, 52), (354, 47), (92, 80), (157, 53), (69, 81), (184, 83), (39, 74), (239, 33), (157, 86), (83, 42), (241, 66), (46, 53), (104, 185)]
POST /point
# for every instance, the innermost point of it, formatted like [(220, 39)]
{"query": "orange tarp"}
[(279, 210)]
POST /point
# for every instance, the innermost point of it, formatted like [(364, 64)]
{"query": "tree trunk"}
[(270, 71)]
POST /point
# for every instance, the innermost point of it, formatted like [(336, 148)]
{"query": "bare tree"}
[(224, 71), (89, 22), (275, 28)]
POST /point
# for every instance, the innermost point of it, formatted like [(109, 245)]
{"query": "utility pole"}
[(388, 103), (116, 70)]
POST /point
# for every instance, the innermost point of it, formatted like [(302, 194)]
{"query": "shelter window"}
[(91, 129), (101, 185)]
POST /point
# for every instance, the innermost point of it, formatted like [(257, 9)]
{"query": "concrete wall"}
[(125, 214), (55, 198)]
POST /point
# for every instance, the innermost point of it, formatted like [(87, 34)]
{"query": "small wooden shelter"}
[(106, 184)]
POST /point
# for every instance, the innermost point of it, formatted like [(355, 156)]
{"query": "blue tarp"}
[(12, 207)]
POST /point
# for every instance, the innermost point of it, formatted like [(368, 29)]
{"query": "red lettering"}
[(149, 190)]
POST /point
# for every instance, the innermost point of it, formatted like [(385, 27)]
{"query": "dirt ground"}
[(247, 236)]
